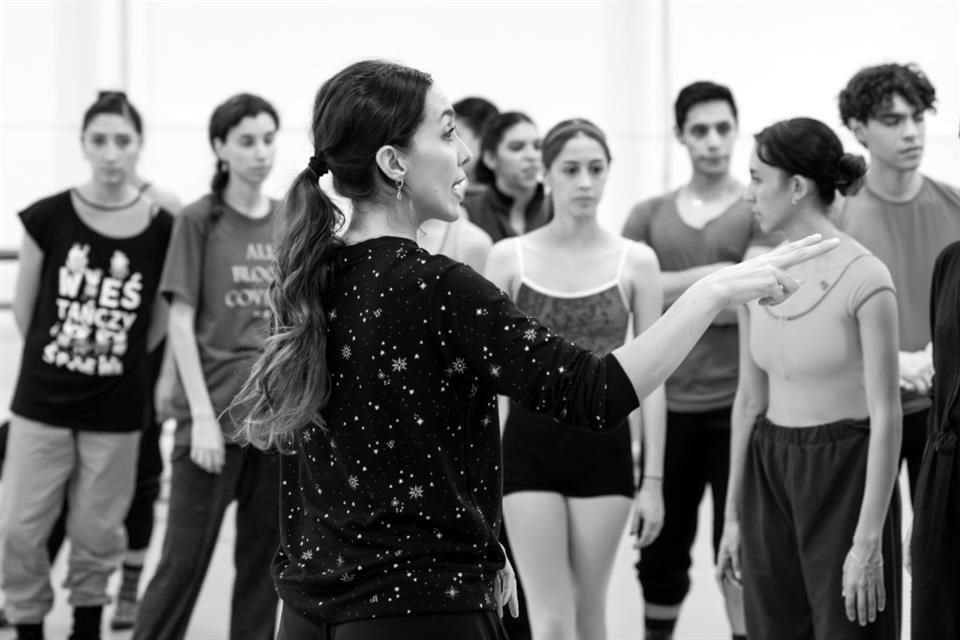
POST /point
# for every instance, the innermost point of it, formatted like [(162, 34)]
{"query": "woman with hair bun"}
[(811, 514)]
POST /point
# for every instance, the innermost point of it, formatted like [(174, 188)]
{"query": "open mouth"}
[(459, 186)]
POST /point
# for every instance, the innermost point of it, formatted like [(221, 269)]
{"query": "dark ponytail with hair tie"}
[(318, 166), (356, 112)]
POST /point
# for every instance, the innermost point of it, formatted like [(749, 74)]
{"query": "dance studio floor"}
[(702, 619)]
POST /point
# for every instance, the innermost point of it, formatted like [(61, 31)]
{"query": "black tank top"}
[(84, 362)]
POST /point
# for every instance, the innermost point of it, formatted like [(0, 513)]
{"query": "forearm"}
[(654, 412), (742, 422), (883, 458), (183, 342), (652, 356)]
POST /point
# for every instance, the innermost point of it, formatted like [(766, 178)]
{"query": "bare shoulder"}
[(641, 259), (503, 265), (474, 236), (504, 249)]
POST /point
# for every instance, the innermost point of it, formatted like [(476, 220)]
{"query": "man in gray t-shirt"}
[(695, 230), (903, 217)]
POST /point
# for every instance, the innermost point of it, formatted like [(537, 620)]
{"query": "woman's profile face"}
[(769, 194), (435, 178), (516, 162), (111, 145)]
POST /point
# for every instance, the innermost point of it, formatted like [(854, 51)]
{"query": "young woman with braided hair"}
[(216, 279)]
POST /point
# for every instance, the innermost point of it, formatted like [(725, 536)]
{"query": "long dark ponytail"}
[(364, 107)]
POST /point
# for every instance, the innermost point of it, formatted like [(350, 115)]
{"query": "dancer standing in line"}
[(86, 304), (216, 278), (381, 374), (816, 420), (936, 518), (510, 167), (140, 518), (567, 492), (904, 218), (695, 230)]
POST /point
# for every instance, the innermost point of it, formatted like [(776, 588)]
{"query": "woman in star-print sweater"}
[(381, 374)]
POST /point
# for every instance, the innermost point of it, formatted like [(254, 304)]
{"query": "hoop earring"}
[(400, 189)]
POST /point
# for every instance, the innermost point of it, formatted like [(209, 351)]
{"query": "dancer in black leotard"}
[(567, 491)]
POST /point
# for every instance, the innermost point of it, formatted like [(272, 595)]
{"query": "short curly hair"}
[(872, 89)]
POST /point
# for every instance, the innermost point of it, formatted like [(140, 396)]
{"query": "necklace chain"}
[(106, 207)]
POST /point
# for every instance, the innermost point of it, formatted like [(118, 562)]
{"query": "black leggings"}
[(482, 625)]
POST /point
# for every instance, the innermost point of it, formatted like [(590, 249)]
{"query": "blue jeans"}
[(198, 501)]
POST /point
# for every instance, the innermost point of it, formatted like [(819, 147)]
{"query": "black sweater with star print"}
[(395, 508)]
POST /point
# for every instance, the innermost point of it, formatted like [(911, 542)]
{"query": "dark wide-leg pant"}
[(198, 501), (801, 501)]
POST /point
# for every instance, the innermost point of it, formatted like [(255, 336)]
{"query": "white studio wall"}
[(617, 62)]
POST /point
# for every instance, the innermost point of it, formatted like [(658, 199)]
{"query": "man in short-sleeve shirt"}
[(695, 230), (902, 217)]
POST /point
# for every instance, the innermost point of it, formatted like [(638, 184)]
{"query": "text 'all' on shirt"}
[(221, 264)]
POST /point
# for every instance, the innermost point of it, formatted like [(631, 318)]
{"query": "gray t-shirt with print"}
[(220, 262)]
